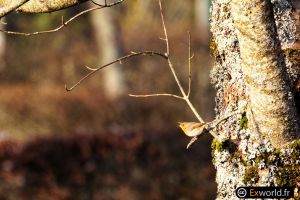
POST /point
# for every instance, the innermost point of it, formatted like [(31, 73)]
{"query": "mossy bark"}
[(272, 110), (252, 74)]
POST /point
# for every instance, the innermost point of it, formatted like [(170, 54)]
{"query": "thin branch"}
[(173, 70), (166, 56), (90, 68), (156, 95), (2, 21), (190, 71), (105, 3), (94, 70), (217, 122), (63, 24), (164, 27)]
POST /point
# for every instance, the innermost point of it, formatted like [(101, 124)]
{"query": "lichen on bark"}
[(272, 110), (255, 161)]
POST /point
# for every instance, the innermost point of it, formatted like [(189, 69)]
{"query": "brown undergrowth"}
[(141, 165)]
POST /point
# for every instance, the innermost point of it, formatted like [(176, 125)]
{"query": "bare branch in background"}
[(155, 95), (65, 23), (105, 3), (189, 60), (133, 54), (184, 95)]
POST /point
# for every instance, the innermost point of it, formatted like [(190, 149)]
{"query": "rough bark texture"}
[(247, 157), (271, 111), (38, 6), (7, 6)]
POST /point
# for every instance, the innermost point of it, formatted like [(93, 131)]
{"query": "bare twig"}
[(64, 23), (216, 122), (184, 95), (2, 21), (90, 68), (190, 71), (94, 70), (164, 27), (105, 3), (156, 95)]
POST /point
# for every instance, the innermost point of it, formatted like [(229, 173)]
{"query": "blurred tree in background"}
[(96, 142), (68, 50), (255, 44)]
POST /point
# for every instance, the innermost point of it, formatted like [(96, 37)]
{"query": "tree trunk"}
[(202, 14), (2, 48), (257, 70), (105, 31)]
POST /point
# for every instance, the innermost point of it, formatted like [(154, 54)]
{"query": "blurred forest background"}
[(96, 142)]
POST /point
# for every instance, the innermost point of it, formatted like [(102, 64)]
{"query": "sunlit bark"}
[(251, 74), (36, 6)]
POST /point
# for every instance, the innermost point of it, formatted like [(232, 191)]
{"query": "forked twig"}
[(94, 70), (65, 23), (184, 95), (169, 94)]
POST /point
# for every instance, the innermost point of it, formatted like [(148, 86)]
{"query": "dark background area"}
[(83, 145)]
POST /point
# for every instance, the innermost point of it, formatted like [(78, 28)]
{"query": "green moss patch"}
[(251, 175), (244, 121), (288, 176)]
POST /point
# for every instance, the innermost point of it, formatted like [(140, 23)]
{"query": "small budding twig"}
[(189, 61), (184, 95), (94, 70), (201, 126)]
